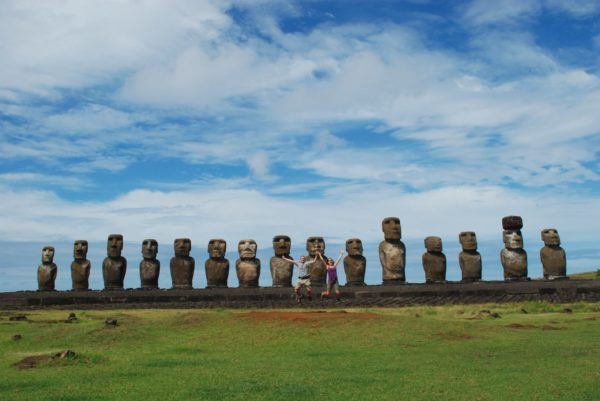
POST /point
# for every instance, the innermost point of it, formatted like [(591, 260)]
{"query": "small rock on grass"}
[(64, 354), (17, 318), (17, 337), (111, 322), (568, 310)]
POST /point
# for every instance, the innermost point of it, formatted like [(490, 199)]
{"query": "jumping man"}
[(303, 277)]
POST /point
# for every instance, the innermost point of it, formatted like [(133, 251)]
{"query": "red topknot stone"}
[(512, 223)]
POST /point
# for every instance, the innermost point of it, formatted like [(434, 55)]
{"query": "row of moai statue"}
[(392, 255)]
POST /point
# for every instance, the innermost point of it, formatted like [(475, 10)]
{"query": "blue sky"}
[(255, 118)]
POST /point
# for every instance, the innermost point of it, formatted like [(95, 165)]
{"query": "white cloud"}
[(43, 180), (481, 12)]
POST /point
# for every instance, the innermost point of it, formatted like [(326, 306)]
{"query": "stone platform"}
[(267, 297)]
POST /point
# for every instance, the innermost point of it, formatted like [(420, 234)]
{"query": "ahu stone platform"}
[(268, 297)]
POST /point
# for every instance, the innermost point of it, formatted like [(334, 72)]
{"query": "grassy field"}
[(529, 351), (593, 275)]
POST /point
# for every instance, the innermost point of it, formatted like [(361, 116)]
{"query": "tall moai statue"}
[(318, 271), (392, 252), (182, 264), (355, 264), (114, 265), (247, 266), (469, 259), (281, 269), (80, 267), (434, 261), (554, 258), (149, 265), (513, 256), (216, 266), (46, 272)]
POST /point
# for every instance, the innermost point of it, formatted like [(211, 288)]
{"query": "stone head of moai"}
[(80, 249), (282, 245), (550, 237), (391, 228), (247, 249), (468, 240), (114, 245), (433, 244), (48, 254), (217, 248), (354, 247), (315, 245), (182, 247), (512, 232), (149, 248)]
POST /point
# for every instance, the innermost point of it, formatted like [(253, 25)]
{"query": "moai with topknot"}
[(281, 269), (434, 261), (149, 266), (81, 266), (554, 258), (182, 264), (318, 271), (114, 265), (248, 265), (392, 252), (469, 259), (513, 256), (46, 273), (355, 263), (216, 266)]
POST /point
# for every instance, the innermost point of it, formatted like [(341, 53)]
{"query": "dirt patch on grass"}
[(30, 362), (308, 317), (455, 336), (533, 326)]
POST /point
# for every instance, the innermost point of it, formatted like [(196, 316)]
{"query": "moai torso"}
[(114, 265), (318, 269), (392, 252), (553, 257), (80, 267), (46, 273), (434, 261), (281, 269), (513, 256), (149, 266), (355, 263), (216, 267), (469, 259), (247, 266), (182, 264)]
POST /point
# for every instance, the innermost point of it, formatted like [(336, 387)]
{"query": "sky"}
[(249, 119)]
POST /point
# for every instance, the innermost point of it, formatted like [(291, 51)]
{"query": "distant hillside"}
[(593, 275)]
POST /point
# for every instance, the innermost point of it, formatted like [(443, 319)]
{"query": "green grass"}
[(593, 275), (416, 353)]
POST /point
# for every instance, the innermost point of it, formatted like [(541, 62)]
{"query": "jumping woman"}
[(332, 278)]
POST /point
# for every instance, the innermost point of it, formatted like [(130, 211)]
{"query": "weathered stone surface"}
[(182, 264), (46, 273), (434, 261), (149, 266), (281, 270), (513, 257), (469, 259), (80, 267), (247, 266), (392, 252), (318, 270), (216, 267), (114, 265), (355, 263), (553, 256)]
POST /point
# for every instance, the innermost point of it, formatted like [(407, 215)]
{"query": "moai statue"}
[(355, 263), (318, 271), (281, 269), (114, 265), (392, 252), (469, 259), (554, 258), (513, 256), (149, 266), (434, 261), (46, 273), (80, 267), (247, 266), (182, 264), (217, 267)]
